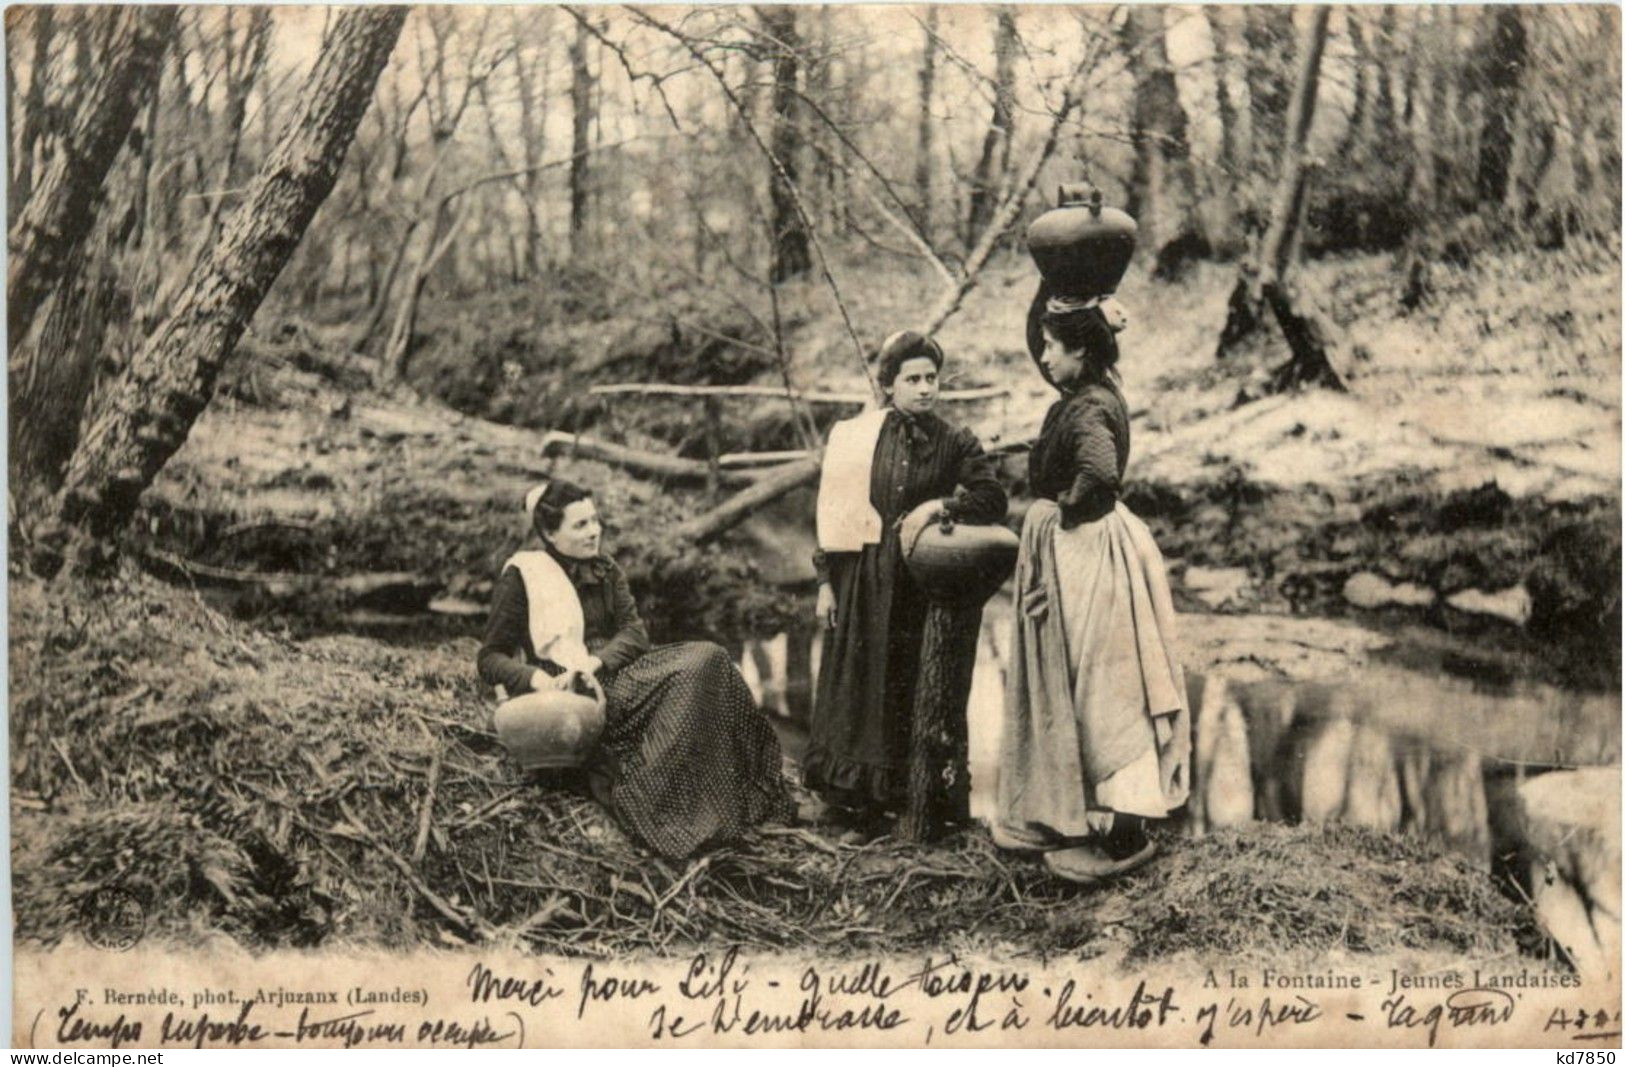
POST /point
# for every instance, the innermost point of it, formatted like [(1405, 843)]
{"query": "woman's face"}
[(915, 390), (1064, 365), (578, 532)]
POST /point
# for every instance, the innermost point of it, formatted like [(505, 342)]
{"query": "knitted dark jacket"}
[(1081, 453), (614, 631)]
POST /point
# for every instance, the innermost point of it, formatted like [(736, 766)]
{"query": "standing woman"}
[(1097, 732), (878, 467), (686, 761)]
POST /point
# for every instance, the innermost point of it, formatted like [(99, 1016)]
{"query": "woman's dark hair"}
[(898, 349), (549, 510), (1085, 329)]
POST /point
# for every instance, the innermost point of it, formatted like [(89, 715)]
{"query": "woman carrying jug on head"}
[(878, 468), (1097, 733)]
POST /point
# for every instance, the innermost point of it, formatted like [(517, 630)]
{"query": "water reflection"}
[(1521, 777)]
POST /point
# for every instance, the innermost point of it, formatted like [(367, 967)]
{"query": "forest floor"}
[(337, 791), (314, 764)]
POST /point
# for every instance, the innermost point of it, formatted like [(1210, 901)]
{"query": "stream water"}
[(1519, 777)]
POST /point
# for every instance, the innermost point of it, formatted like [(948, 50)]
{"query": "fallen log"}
[(774, 483), (654, 464), (761, 459), (402, 591)]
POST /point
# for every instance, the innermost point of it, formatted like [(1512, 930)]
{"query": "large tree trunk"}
[(938, 776), (581, 119), (994, 162), (1163, 187), (170, 380), (792, 252), (54, 222), (1360, 61), (922, 152)]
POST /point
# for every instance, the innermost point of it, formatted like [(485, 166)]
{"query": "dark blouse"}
[(614, 631), (1081, 453), (920, 457)]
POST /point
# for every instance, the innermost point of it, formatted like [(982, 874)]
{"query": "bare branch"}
[(1004, 218), (778, 167), (656, 81)]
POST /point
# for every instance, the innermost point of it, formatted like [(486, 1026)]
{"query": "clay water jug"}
[(550, 729), (957, 565), (1081, 247)]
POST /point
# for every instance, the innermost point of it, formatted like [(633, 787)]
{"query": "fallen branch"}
[(364, 834), (426, 816), (775, 483), (656, 464), (988, 392)]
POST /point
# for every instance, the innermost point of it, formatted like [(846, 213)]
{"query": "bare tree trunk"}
[(1003, 220), (1354, 134), (1218, 21), (51, 226), (1314, 341), (1499, 80), (582, 114), (240, 78), (792, 255), (938, 776), (440, 237), (533, 134), (1269, 37), (989, 174), (922, 154), (1164, 185), (169, 382), (1441, 163), (33, 113)]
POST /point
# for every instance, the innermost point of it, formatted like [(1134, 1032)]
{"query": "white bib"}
[(557, 629), (846, 519)]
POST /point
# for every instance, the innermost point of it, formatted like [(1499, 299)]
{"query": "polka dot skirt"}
[(687, 761)]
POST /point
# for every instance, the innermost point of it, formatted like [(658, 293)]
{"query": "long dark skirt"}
[(687, 761), (857, 755)]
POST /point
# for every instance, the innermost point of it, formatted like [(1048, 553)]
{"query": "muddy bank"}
[(1408, 555)]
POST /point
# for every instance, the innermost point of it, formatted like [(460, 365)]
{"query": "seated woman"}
[(879, 467), (686, 761)]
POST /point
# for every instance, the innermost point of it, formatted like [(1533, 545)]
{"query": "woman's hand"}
[(911, 525), (825, 611), (541, 681)]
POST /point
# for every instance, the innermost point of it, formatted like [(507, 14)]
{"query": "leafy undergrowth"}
[(336, 791)]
